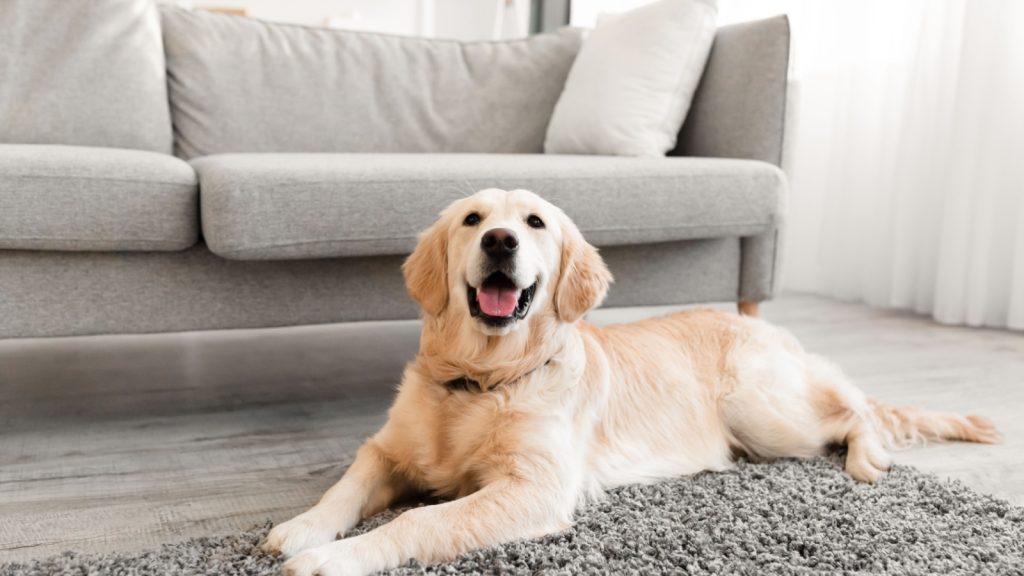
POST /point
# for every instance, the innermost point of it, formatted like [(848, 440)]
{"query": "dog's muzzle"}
[(498, 301)]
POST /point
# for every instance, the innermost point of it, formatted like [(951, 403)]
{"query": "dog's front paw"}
[(307, 530), (334, 559)]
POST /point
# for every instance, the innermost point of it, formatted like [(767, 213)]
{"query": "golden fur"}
[(568, 409)]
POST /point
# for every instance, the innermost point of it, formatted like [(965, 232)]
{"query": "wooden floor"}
[(122, 443)]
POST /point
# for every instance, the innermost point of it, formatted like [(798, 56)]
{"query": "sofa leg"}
[(747, 308)]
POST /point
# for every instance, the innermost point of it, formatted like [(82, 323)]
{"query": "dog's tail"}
[(903, 427)]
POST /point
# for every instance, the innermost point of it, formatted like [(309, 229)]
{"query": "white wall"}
[(584, 13), (460, 19), (393, 16)]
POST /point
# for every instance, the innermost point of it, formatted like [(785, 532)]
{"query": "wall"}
[(460, 19)]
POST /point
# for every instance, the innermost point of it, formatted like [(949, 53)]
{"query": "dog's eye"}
[(534, 221), (472, 219)]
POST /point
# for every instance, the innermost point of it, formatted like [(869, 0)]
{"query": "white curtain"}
[(905, 151)]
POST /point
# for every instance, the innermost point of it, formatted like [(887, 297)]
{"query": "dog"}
[(517, 411)]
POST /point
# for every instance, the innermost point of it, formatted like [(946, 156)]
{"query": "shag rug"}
[(785, 517)]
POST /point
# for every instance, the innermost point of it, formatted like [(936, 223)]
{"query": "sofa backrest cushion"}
[(244, 85), (83, 73), (632, 82)]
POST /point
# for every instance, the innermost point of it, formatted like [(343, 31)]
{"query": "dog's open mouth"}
[(498, 301)]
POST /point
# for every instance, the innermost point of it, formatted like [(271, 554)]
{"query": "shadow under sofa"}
[(98, 240)]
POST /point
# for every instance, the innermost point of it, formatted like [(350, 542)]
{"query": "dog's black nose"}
[(499, 243)]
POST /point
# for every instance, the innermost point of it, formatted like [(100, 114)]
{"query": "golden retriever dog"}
[(518, 412)]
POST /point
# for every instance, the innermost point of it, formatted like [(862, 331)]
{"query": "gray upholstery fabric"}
[(242, 85), (676, 230), (760, 266), (83, 73), (75, 293), (739, 112), (739, 107), (284, 206), (78, 198)]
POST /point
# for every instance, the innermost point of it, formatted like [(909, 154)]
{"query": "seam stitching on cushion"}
[(780, 142), (4, 239), (250, 246), (665, 126), (724, 175), (89, 179), (775, 263)]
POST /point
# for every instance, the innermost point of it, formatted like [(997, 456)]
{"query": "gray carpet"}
[(786, 517)]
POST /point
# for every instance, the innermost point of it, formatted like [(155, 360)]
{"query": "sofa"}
[(168, 170)]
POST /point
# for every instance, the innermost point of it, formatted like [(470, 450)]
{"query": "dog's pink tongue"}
[(497, 300)]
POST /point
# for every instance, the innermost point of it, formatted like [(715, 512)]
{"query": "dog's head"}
[(498, 258)]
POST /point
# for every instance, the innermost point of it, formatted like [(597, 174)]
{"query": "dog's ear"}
[(584, 278), (426, 270)]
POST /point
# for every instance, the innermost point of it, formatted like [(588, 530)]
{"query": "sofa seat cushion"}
[(95, 199), (285, 206)]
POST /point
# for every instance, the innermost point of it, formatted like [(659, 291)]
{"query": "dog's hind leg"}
[(845, 417), (768, 413), (869, 427), (787, 403)]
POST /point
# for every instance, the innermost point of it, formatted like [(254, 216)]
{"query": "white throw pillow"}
[(631, 84)]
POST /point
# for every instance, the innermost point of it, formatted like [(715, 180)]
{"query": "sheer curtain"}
[(905, 151)]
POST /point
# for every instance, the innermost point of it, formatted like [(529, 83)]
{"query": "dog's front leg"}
[(504, 510), (368, 486)]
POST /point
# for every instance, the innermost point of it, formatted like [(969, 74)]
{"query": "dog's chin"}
[(491, 304)]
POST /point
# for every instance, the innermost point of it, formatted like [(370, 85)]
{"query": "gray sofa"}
[(164, 170)]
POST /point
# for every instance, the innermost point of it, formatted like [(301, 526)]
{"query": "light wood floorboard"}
[(126, 442)]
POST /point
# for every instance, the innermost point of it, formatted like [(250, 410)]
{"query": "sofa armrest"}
[(740, 104)]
